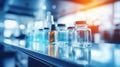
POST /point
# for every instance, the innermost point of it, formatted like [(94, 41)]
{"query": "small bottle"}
[(46, 39), (62, 33), (71, 36), (83, 34), (62, 41), (52, 50), (81, 49), (38, 40), (38, 44), (29, 36), (46, 31), (71, 40), (29, 39)]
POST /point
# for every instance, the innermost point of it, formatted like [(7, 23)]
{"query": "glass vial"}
[(46, 39), (62, 41), (82, 47), (38, 44), (38, 40), (29, 36), (71, 40), (52, 50), (46, 31), (71, 36)]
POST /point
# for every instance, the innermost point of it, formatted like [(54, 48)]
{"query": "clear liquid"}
[(46, 40), (71, 37), (63, 36), (46, 37), (63, 50), (82, 54), (29, 40), (37, 43)]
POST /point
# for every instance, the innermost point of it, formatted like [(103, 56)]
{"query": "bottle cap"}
[(53, 27), (71, 27), (80, 22), (46, 28), (61, 25)]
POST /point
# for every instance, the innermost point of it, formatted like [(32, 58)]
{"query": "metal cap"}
[(61, 25), (71, 27)]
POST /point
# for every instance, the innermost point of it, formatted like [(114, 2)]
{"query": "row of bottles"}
[(72, 43)]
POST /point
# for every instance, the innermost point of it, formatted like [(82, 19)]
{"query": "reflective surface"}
[(102, 55)]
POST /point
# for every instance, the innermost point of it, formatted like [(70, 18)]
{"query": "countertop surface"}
[(102, 55)]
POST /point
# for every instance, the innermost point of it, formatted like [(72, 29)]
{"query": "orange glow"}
[(82, 1), (96, 3)]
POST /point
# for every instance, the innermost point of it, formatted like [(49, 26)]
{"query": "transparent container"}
[(63, 51), (29, 36), (81, 48), (71, 40), (29, 40), (62, 33), (71, 36), (52, 49), (38, 40), (46, 38), (38, 43)]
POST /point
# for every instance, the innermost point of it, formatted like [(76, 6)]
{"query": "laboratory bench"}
[(102, 55)]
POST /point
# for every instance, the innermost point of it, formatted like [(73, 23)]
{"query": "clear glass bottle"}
[(71, 36), (62, 41), (62, 33), (38, 40), (38, 44), (29, 36), (46, 39), (46, 31), (71, 40), (29, 39), (82, 47)]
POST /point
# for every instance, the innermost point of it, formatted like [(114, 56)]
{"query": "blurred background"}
[(102, 16)]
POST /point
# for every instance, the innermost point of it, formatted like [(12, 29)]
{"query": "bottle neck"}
[(61, 28)]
